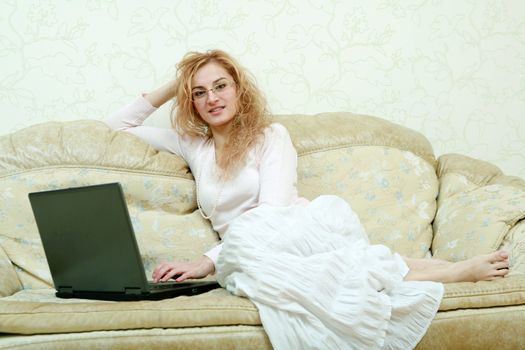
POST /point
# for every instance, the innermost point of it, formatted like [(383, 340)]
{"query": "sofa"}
[(452, 208)]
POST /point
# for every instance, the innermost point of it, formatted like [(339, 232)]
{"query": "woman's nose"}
[(211, 96)]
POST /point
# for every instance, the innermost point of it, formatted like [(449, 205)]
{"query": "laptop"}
[(91, 248)]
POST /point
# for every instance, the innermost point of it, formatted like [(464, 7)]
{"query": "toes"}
[(502, 254), (496, 275), (499, 255), (501, 272), (501, 265)]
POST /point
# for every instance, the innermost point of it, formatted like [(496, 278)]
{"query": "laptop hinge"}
[(133, 291), (65, 290)]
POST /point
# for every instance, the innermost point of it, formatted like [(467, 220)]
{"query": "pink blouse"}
[(269, 175)]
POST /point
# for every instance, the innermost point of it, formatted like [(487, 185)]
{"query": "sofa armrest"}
[(9, 282), (478, 208)]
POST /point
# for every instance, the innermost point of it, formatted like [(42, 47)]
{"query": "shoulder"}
[(190, 139), (276, 139), (276, 130), (191, 145)]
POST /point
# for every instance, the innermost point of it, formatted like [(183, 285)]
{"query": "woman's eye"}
[(220, 86), (199, 93)]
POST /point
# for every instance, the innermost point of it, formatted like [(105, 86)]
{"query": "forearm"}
[(130, 118), (131, 115), (161, 95)]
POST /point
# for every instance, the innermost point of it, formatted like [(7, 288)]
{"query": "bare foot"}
[(480, 268)]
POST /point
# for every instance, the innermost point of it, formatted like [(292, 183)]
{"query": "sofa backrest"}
[(385, 171)]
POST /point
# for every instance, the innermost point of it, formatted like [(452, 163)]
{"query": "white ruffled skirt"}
[(319, 284)]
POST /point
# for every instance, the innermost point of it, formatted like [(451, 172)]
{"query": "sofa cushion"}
[(475, 221), (392, 191), (192, 338), (161, 232), (493, 328), (484, 294), (159, 191), (38, 311), (499, 328), (385, 171)]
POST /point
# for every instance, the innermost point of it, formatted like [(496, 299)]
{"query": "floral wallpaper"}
[(454, 70)]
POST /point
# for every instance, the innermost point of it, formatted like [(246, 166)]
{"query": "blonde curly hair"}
[(248, 124)]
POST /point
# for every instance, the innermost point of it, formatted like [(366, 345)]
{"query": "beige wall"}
[(455, 70)]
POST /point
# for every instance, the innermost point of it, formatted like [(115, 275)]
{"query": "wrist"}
[(207, 264)]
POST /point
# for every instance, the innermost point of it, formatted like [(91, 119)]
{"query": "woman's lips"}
[(216, 110)]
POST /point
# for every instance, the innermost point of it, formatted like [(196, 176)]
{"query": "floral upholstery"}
[(382, 184), (479, 210)]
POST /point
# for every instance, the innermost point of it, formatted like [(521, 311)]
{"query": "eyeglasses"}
[(218, 88)]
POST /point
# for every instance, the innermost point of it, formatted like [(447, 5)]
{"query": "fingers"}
[(179, 271), (165, 271), (159, 271), (183, 277), (195, 269), (170, 274), (191, 272)]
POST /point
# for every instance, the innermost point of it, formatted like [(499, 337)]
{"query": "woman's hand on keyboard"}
[(180, 271)]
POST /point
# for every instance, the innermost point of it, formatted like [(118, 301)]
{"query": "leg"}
[(479, 268), (423, 264)]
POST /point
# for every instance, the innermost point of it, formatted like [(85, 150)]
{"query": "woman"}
[(308, 267)]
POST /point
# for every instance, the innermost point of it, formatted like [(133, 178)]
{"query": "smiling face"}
[(218, 106)]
